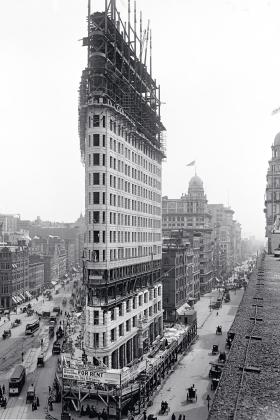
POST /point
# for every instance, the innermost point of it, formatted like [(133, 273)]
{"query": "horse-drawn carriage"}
[(219, 330), (164, 409), (222, 357), (215, 371), (192, 394), (215, 349), (6, 334)]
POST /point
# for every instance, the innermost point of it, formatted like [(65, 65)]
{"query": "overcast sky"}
[(218, 64)]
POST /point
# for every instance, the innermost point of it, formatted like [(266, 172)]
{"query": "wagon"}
[(219, 330), (215, 349), (191, 395)]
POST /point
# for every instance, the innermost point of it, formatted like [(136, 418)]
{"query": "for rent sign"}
[(93, 376)]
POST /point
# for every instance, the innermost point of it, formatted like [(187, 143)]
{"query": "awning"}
[(28, 294), (14, 299), (53, 283), (191, 299), (22, 296), (18, 299)]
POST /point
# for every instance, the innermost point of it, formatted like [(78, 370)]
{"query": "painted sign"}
[(93, 376)]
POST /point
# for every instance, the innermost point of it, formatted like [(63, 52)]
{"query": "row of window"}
[(176, 207), (121, 184), (130, 171), (124, 253), (127, 203), (97, 236), (95, 217), (119, 148), (99, 120)]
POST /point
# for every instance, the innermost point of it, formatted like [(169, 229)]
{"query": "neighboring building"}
[(178, 282), (14, 275), (272, 195), (51, 269), (190, 214), (226, 236), (120, 139), (71, 233), (9, 222), (36, 275)]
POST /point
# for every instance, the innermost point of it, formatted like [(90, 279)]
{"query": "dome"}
[(277, 140), (195, 182)]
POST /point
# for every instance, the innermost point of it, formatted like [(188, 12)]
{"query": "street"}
[(194, 367), (11, 353)]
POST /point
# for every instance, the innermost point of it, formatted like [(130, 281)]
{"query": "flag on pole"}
[(191, 163)]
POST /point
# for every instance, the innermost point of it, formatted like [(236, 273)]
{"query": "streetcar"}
[(31, 328), (17, 380)]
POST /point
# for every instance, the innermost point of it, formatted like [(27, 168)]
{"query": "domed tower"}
[(272, 200), (196, 187)]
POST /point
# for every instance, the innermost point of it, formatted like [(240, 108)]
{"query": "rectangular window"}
[(96, 217), (104, 122), (103, 160), (103, 198), (96, 234), (96, 179), (104, 142), (134, 319), (89, 160), (113, 335), (96, 317), (96, 159), (96, 197), (104, 179), (96, 140), (96, 340), (96, 121), (128, 325), (121, 330)]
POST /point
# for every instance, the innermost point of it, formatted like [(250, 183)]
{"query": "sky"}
[(218, 65)]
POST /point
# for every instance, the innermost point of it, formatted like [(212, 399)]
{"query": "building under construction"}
[(121, 141), (120, 138)]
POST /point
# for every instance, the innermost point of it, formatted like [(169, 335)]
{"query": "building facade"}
[(36, 276), (272, 194), (14, 275), (178, 281), (190, 214), (120, 139)]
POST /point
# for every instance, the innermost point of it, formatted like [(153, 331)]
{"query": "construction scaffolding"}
[(117, 75)]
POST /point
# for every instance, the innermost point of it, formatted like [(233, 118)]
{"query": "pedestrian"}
[(180, 417), (3, 389), (50, 389), (22, 354), (38, 402), (173, 417), (184, 417), (217, 313)]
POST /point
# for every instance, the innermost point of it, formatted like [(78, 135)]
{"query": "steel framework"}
[(117, 74)]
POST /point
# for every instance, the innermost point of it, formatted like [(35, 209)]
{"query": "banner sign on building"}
[(93, 376)]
